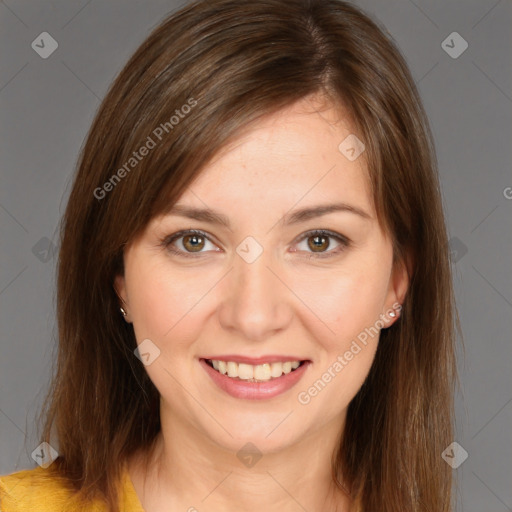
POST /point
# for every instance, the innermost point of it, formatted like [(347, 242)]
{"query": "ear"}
[(398, 286), (120, 289)]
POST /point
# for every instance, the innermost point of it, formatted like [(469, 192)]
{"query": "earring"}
[(123, 312), (392, 314)]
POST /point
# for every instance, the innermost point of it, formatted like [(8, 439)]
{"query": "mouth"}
[(255, 382), (254, 373)]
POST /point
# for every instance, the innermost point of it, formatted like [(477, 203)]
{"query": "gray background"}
[(47, 105)]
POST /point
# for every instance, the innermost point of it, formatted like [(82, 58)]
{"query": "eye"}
[(192, 242), (188, 243), (319, 240)]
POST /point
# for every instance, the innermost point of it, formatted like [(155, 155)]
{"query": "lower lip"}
[(255, 390)]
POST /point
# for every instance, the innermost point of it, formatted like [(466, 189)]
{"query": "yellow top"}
[(32, 490)]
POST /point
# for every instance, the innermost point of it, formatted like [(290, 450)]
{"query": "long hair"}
[(200, 78)]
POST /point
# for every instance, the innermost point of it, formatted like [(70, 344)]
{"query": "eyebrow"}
[(296, 217)]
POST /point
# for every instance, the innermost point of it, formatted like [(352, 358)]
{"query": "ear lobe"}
[(120, 289)]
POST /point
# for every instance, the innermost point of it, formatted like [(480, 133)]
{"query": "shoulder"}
[(38, 490)]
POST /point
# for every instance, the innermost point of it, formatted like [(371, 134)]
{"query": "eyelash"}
[(344, 242)]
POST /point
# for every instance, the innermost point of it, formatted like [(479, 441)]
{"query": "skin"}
[(289, 301)]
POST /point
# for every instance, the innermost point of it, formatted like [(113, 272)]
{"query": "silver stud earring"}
[(392, 314), (123, 312)]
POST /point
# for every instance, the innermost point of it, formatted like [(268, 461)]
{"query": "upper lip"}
[(255, 360)]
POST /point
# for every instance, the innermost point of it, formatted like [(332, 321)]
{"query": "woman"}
[(254, 295)]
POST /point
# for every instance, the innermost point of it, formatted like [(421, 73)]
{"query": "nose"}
[(256, 304)]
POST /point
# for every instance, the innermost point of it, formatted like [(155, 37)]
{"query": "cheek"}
[(350, 305), (164, 303), (347, 302)]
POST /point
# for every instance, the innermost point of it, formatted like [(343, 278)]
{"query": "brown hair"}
[(232, 62)]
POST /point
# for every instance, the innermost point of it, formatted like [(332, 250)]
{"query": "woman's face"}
[(260, 286)]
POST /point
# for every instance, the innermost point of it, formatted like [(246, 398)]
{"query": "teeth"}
[(223, 367), (232, 369), (262, 372), (245, 371), (276, 369), (254, 373)]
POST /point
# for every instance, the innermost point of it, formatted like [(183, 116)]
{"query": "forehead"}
[(296, 154)]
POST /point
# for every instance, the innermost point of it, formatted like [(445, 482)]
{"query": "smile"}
[(253, 373), (254, 382)]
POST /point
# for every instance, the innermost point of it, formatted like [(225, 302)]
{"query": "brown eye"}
[(189, 243), (193, 243), (318, 243), (322, 243)]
